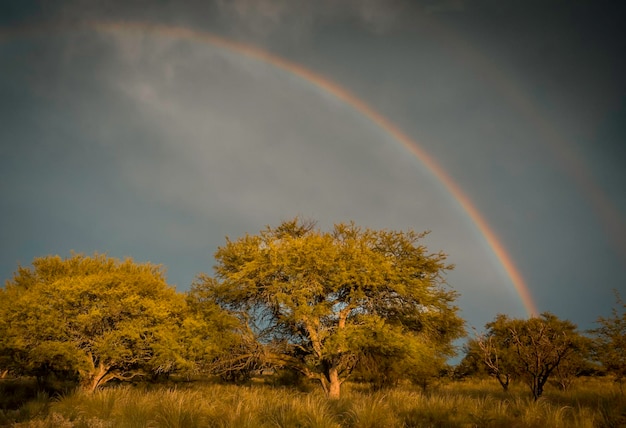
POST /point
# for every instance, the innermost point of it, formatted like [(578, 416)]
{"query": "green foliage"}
[(497, 350), (533, 350), (421, 366), (210, 332), (576, 363), (90, 318), (472, 364), (610, 342), (543, 344), (320, 301)]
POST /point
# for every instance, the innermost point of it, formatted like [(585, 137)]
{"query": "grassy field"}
[(477, 403)]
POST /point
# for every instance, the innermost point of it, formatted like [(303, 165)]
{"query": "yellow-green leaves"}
[(95, 316), (331, 297)]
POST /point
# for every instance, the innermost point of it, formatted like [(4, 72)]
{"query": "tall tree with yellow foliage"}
[(321, 301)]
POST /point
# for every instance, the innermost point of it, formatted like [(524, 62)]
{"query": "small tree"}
[(531, 349), (319, 302), (496, 350), (418, 366), (610, 341), (92, 319), (472, 364), (576, 364), (542, 344)]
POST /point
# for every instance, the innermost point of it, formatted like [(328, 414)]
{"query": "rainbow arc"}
[(352, 101)]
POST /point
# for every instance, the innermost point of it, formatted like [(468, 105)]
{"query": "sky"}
[(127, 129)]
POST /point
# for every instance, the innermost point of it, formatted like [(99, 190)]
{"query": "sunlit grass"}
[(590, 403)]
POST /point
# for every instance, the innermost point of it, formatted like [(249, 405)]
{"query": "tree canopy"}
[(497, 350), (610, 343), (320, 302), (351, 301), (531, 349), (95, 318)]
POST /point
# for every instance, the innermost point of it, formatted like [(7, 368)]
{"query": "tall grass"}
[(459, 404)]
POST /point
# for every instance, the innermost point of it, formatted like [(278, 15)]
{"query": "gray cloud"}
[(150, 146)]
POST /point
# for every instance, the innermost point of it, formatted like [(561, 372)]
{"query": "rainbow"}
[(359, 105), (568, 158)]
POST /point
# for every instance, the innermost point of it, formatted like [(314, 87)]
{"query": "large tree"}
[(92, 318), (321, 301)]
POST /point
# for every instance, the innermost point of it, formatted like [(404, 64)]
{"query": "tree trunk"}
[(504, 381), (536, 387), (334, 387), (94, 378), (540, 384)]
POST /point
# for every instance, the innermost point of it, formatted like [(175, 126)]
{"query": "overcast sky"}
[(139, 143)]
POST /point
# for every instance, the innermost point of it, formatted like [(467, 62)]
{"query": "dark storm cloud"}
[(115, 142), (147, 146)]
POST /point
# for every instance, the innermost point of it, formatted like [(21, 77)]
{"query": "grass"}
[(591, 403)]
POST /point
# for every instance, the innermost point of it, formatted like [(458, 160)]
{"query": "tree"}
[(496, 350), (218, 342), (93, 319), (610, 341), (419, 366), (577, 363), (542, 344), (531, 349), (472, 364), (319, 302)]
